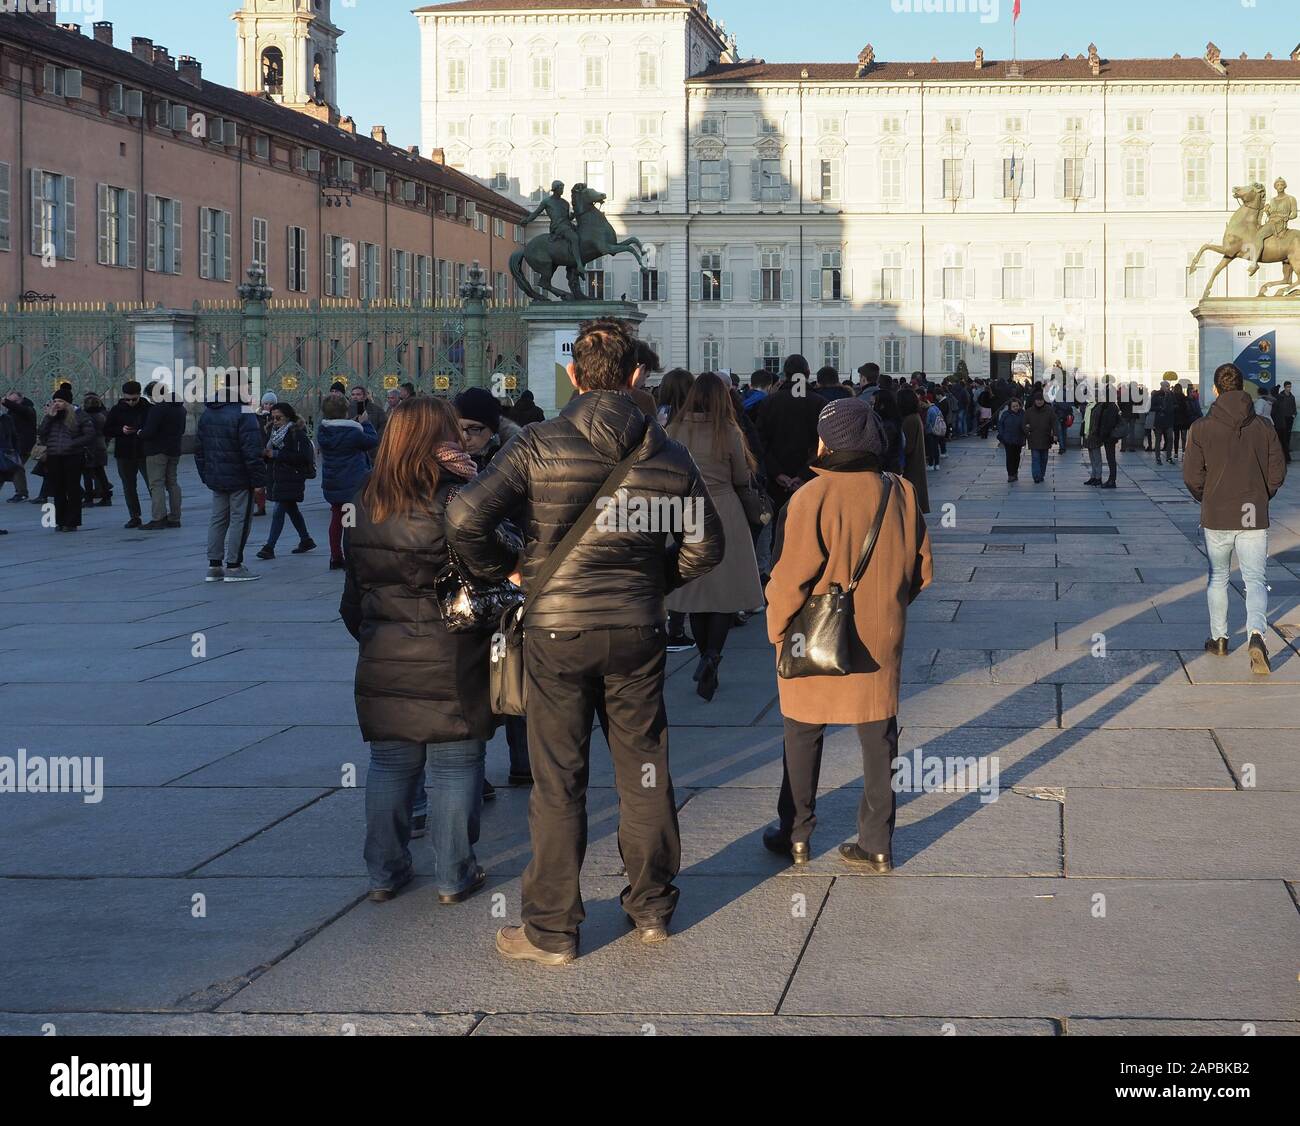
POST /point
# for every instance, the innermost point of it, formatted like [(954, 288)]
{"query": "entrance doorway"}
[(1012, 365)]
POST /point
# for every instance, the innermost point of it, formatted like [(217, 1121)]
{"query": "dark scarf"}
[(849, 461)]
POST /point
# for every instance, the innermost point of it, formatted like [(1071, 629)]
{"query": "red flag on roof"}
[(1015, 13)]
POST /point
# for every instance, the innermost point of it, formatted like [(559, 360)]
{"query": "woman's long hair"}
[(406, 474), (710, 396), (908, 402), (673, 389)]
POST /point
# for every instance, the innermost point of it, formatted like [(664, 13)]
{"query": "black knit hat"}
[(478, 405), (850, 425), (64, 392)]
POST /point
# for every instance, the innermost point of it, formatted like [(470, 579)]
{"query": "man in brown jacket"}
[(819, 542), (1234, 467)]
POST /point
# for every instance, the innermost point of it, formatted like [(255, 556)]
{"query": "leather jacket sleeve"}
[(482, 504), (694, 554)]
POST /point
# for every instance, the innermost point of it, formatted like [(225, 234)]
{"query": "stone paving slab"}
[(1205, 668), (1033, 948), (1266, 705), (1136, 666), (71, 702), (154, 832), (270, 665), (120, 944), (262, 1024), (46, 666), (1275, 756), (735, 943), (657, 1024), (979, 706), (1089, 1026), (1182, 834), (328, 703)]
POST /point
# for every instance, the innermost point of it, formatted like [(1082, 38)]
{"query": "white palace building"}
[(911, 213)]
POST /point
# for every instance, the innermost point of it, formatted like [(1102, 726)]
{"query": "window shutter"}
[(814, 285), (968, 180), (133, 103), (787, 181), (410, 278), (814, 184), (225, 246), (936, 282), (347, 270), (1090, 179), (1151, 286), (968, 276), (727, 287), (724, 179), (103, 241), (877, 285), (693, 180), (1091, 290), (180, 118), (697, 285), (232, 134), (663, 285), (217, 131), (132, 259), (327, 266), (69, 218), (38, 199), (909, 284), (1027, 185), (1059, 189), (116, 93), (289, 260), (176, 236), (756, 179), (72, 85), (787, 285), (999, 283), (1027, 282), (49, 78), (1000, 178), (392, 274), (205, 243), (846, 284), (756, 285), (1058, 288), (5, 242), (151, 235)]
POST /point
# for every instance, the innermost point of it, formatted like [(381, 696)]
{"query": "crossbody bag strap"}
[(869, 547), (579, 529)]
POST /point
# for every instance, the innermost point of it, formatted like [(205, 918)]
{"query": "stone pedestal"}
[(164, 349), (552, 328), (1229, 327)]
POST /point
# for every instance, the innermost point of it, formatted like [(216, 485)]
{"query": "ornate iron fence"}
[(90, 345)]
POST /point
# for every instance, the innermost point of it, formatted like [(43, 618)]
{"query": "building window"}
[(542, 178), (368, 261), (952, 124), (163, 221), (954, 279), (1135, 353), (1013, 275), (828, 185), (715, 180), (648, 126), (457, 130), (891, 356), (594, 173), (338, 272), (1135, 175), (953, 354), (770, 276), (891, 179), (1196, 123), (831, 126), (649, 181), (297, 260), (1072, 174), (5, 238), (54, 215), (500, 178), (500, 288), (117, 223), (711, 355), (711, 277), (1135, 274), (772, 356), (498, 228), (593, 127), (951, 178), (1196, 179), (1013, 125), (1258, 123), (1074, 124), (1013, 177), (214, 244), (594, 72), (1257, 169), (1135, 123), (457, 72), (891, 125), (1074, 282), (542, 129), (771, 180), (260, 241), (423, 279), (542, 74), (647, 70), (649, 285), (402, 281), (891, 276), (1073, 354), (595, 279), (443, 292), (832, 276), (831, 354), (498, 73), (711, 127)]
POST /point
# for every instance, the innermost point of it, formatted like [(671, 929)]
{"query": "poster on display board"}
[(1256, 351)]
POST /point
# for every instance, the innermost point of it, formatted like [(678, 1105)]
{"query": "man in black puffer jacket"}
[(126, 421), (230, 463), (596, 631), (160, 446)]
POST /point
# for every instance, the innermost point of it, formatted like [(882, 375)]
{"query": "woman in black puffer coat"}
[(95, 488), (290, 460), (421, 692)]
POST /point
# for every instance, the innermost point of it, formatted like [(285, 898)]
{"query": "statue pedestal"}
[(1261, 335), (552, 329)]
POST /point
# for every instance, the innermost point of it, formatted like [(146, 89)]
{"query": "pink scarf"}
[(455, 460)]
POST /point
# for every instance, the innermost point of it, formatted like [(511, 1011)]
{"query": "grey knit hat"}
[(850, 425)]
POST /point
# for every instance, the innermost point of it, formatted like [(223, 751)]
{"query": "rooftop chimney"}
[(104, 32), (1094, 59), (438, 156), (379, 133), (414, 150), (75, 28), (348, 125), (161, 57), (191, 70), (142, 48), (1295, 55), (979, 58), (1214, 57)]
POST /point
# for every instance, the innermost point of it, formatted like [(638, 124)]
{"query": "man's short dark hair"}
[(828, 377), (131, 387), (870, 373), (409, 388), (647, 357), (1227, 377), (795, 365), (761, 379), (604, 355)]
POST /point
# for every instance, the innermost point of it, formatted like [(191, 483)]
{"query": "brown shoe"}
[(872, 863), (480, 878), (513, 943), (650, 933), (1259, 662)]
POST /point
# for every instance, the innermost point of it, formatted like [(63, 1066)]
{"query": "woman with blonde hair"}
[(706, 425), (421, 691)]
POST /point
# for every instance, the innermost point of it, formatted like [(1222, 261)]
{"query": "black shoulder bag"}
[(818, 641), (507, 683)]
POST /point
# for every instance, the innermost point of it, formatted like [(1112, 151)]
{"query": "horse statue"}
[(546, 254), (1243, 225)]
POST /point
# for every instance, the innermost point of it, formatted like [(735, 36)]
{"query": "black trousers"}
[(1013, 460), (1283, 427), (94, 485), (568, 673), (711, 632), (63, 487), (797, 805), (127, 468)]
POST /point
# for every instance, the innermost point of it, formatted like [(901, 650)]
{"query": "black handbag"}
[(508, 684), (819, 639), (467, 605), (756, 503)]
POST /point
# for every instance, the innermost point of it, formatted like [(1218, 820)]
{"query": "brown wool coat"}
[(824, 527), (914, 468)]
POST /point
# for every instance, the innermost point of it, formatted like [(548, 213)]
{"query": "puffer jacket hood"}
[(1233, 465), (1233, 409), (614, 431), (344, 444), (228, 455)]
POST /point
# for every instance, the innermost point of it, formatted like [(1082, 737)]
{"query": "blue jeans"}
[(396, 772), (1252, 555), (1039, 463), (285, 508)]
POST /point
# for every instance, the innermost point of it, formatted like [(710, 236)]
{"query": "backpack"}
[(936, 424)]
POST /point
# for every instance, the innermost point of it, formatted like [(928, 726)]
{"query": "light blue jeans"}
[(1252, 556)]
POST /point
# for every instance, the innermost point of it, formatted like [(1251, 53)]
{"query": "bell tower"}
[(288, 51)]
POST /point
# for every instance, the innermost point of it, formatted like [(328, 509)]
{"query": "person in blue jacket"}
[(344, 443), (1011, 433), (229, 460)]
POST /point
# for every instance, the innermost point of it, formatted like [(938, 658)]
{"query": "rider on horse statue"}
[(564, 227), (1280, 211)]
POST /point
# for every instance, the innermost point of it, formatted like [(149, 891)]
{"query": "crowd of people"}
[(800, 496)]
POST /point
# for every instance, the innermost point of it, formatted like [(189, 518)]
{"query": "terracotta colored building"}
[(126, 176)]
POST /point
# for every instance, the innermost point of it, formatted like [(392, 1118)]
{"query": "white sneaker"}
[(240, 574)]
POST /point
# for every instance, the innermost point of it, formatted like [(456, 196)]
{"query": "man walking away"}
[(1234, 467), (787, 425), (160, 443), (1100, 423), (230, 463), (594, 631), (1284, 419), (21, 411), (126, 422), (828, 385)]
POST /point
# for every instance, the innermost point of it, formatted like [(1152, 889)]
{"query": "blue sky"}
[(379, 65)]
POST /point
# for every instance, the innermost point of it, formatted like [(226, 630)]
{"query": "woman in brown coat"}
[(706, 425), (819, 541), (914, 470)]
